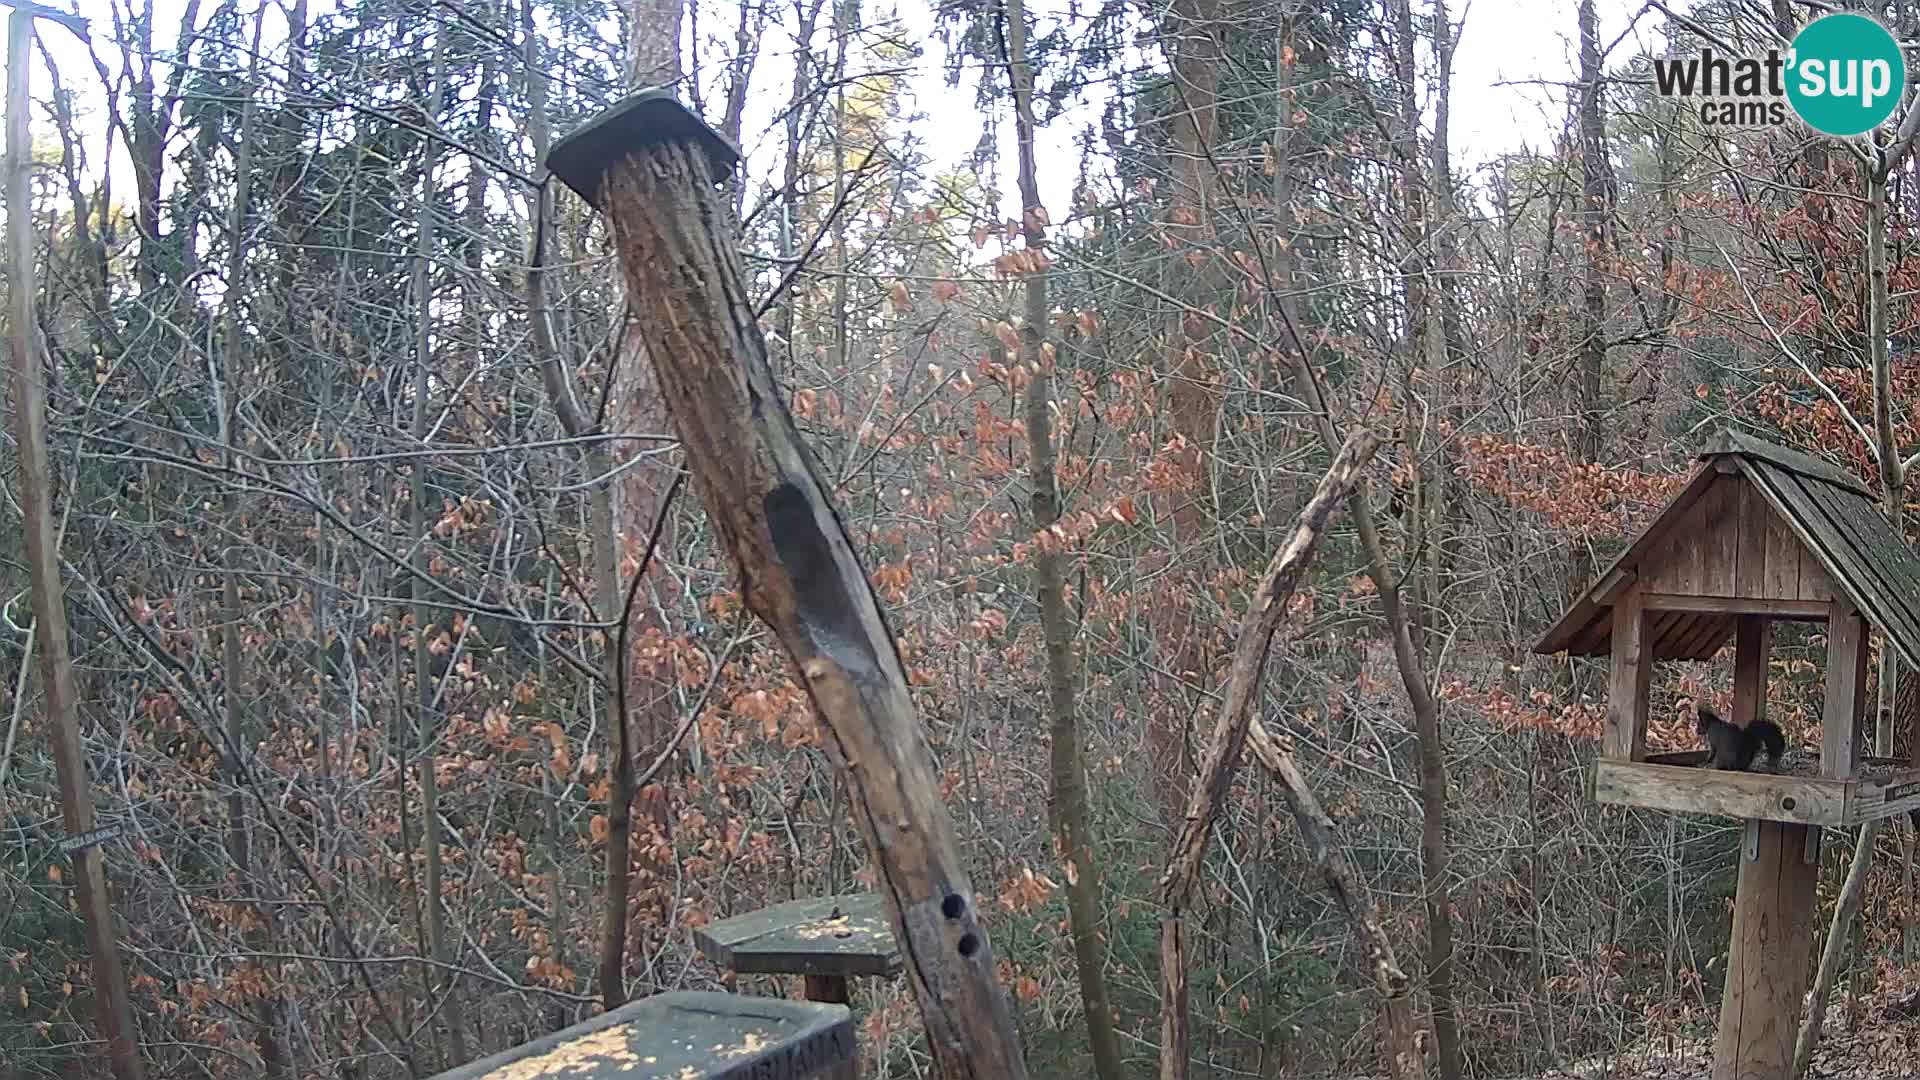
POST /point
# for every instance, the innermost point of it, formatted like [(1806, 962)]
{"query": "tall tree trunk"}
[(1396, 1006), (1444, 336), (1593, 291), (1892, 488), (426, 726), (846, 20), (642, 697), (653, 43), (799, 574), (792, 202), (233, 663), (112, 1013), (1192, 400), (1072, 819), (1416, 267), (1408, 627)]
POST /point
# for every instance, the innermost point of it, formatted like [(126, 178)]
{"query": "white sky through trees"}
[(1511, 70)]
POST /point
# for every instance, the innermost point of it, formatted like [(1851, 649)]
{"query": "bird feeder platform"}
[(1681, 783), (688, 1035), (828, 940)]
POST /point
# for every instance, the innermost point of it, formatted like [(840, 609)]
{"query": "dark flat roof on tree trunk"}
[(582, 157)]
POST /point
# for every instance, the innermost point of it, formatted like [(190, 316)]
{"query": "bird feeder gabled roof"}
[(1830, 514)]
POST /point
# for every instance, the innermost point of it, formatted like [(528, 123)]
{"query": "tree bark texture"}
[(1072, 820), (1593, 220), (113, 1013), (638, 687), (233, 660), (426, 724), (1192, 397), (799, 574)]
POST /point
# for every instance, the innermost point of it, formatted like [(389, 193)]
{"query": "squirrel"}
[(1731, 746)]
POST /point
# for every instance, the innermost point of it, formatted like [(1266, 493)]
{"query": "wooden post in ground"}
[(43, 561), (1767, 954), (653, 169)]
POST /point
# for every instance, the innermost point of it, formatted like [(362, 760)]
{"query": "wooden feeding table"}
[(1759, 533), (1681, 782), (828, 940), (689, 1035)]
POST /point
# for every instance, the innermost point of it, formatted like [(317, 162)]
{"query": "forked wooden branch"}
[(650, 167), (1262, 620), (1406, 1059)]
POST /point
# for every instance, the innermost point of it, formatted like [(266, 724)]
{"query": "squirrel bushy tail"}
[(1730, 746)]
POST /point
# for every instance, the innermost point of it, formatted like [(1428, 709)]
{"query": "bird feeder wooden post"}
[(653, 169), (1759, 533)]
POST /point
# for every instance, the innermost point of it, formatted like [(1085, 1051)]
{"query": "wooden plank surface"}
[(1845, 691), (1753, 517), (1694, 790), (1806, 521), (1893, 569), (1594, 636), (1705, 637), (833, 935), (1737, 442), (1872, 573), (1815, 582), (1585, 611), (1810, 610), (1881, 561), (1661, 625), (1719, 538), (1677, 562), (1782, 576), (1626, 734), (1753, 639), (1891, 797), (687, 1035), (1767, 957)]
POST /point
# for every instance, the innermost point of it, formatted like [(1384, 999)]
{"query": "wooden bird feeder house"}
[(1759, 533)]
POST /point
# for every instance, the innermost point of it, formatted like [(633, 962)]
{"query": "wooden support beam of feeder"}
[(652, 167), (1773, 909), (1626, 734), (688, 1035), (1846, 691), (1767, 956)]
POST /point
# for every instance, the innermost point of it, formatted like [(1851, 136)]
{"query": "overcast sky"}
[(1508, 87)]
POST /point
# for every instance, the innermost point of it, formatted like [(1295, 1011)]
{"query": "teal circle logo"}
[(1847, 74)]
